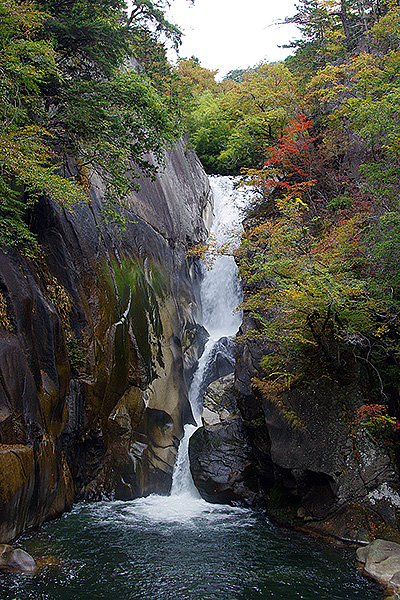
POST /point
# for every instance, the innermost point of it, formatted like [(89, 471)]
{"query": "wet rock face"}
[(221, 463), (342, 478), (321, 474), (97, 347), (220, 452)]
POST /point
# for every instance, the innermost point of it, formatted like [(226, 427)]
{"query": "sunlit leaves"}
[(258, 108), (309, 295), (231, 122), (307, 287)]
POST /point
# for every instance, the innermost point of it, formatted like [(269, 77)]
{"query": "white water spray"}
[(220, 295)]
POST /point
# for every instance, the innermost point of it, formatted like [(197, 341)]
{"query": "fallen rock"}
[(221, 464), (221, 362), (380, 560), (16, 560), (210, 417)]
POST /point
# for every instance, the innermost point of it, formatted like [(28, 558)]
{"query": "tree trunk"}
[(345, 23)]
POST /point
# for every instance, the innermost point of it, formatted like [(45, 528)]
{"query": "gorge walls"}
[(97, 345)]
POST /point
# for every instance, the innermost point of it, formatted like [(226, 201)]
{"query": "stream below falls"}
[(167, 549), (180, 547)]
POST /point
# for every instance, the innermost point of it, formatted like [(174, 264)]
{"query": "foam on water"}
[(221, 295), (221, 291)]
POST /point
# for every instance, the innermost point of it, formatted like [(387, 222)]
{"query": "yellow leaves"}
[(24, 60), (394, 147), (272, 391), (84, 176), (24, 154), (200, 249), (208, 252), (268, 92), (381, 331), (330, 5), (302, 289), (299, 202), (17, 17), (339, 83), (194, 78), (60, 297), (393, 5), (326, 84), (387, 29), (4, 320)]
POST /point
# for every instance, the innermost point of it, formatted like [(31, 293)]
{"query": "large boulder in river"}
[(380, 560), (221, 463)]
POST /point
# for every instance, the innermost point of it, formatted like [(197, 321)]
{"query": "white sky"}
[(230, 34)]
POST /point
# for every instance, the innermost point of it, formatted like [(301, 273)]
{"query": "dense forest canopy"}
[(82, 89)]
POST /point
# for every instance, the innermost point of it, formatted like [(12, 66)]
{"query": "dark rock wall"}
[(221, 463), (97, 345), (324, 474)]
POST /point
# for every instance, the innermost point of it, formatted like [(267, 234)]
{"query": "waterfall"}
[(220, 295)]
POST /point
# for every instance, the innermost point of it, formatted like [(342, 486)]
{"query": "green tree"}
[(362, 95), (330, 29), (72, 94), (258, 108), (203, 117), (195, 79), (309, 302), (27, 162), (209, 130)]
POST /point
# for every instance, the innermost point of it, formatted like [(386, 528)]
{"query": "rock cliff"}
[(325, 474), (97, 346)]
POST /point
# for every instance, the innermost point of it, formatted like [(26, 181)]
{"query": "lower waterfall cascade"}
[(180, 547)]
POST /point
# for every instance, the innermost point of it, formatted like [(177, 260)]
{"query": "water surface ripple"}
[(181, 548)]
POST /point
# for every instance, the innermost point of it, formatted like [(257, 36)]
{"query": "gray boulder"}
[(221, 463), (219, 402), (380, 560), (16, 560)]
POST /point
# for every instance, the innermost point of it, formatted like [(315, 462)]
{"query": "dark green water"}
[(182, 549)]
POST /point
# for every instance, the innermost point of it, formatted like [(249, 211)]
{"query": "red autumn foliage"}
[(375, 415), (290, 161)]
